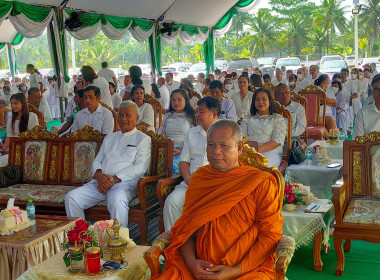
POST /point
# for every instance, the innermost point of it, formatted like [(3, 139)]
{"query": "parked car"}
[(267, 65), (291, 63), (330, 67), (197, 68), (179, 71), (369, 60), (329, 57), (238, 64), (221, 65), (350, 60), (146, 71)]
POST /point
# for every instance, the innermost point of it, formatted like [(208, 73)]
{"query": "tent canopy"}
[(8, 32), (195, 12)]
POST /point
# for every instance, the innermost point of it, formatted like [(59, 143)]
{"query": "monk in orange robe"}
[(231, 221)]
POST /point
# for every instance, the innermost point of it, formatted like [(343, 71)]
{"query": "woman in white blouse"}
[(265, 126), (242, 98), (177, 121), (146, 113), (323, 82), (21, 121)]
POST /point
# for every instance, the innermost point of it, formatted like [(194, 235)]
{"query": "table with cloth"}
[(308, 227), (318, 177), (333, 151), (25, 248), (54, 268)]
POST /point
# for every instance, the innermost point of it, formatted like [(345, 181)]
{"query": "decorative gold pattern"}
[(168, 190), (149, 99), (50, 224), (86, 133), (372, 137), (152, 134), (66, 163), (342, 198), (53, 163), (20, 237), (357, 173), (18, 155), (37, 132), (269, 86), (161, 160), (310, 88), (252, 158)]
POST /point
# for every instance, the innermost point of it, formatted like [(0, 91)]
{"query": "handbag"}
[(10, 175), (296, 153)]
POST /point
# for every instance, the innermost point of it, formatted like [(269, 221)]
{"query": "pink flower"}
[(291, 198), (288, 189)]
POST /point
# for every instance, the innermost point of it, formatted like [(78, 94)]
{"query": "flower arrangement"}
[(293, 195)]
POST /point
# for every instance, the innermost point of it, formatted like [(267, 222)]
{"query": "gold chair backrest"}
[(157, 109), (114, 115), (315, 98), (281, 110), (271, 87), (40, 115)]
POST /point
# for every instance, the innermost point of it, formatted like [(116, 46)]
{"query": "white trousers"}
[(79, 199), (174, 205)]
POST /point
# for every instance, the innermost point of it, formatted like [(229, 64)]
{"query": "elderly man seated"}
[(34, 98), (231, 221), (122, 159), (193, 155), (94, 114), (227, 105), (282, 95)]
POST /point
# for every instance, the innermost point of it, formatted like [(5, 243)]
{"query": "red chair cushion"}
[(315, 130)]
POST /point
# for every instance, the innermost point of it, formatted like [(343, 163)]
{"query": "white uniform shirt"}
[(228, 110), (70, 107), (35, 80), (173, 86), (175, 126), (116, 100), (101, 119), (199, 87), (367, 120), (298, 118), (105, 94), (165, 97), (276, 82), (126, 155), (194, 148), (329, 94), (146, 115), (365, 87), (33, 121), (242, 107), (107, 74), (300, 85)]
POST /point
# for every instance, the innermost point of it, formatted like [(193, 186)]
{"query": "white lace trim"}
[(306, 235), (21, 226)]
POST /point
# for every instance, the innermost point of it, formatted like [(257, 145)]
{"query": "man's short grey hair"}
[(128, 103), (236, 131)]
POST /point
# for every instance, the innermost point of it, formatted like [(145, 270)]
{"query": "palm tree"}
[(262, 31), (295, 32), (370, 17), (238, 22), (331, 15)]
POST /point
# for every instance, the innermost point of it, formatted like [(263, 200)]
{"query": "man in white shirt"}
[(170, 83), (94, 114), (164, 92), (199, 87), (116, 99), (107, 74), (368, 118), (34, 98), (122, 159), (193, 155), (228, 110), (314, 73), (279, 78), (219, 76), (282, 95), (302, 82), (374, 72)]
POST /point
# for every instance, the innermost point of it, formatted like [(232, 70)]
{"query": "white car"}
[(178, 70), (291, 63), (329, 57), (146, 71), (195, 69), (331, 67), (369, 60)]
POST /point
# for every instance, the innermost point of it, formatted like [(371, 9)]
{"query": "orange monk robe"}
[(239, 217)]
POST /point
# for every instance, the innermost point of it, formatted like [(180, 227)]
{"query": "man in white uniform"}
[(164, 92), (302, 82), (193, 155), (35, 98), (170, 83), (122, 159), (279, 78), (199, 87), (368, 117), (351, 92), (107, 74), (314, 74), (94, 114)]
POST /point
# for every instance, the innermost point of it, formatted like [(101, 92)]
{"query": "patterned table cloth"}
[(333, 151), (319, 178)]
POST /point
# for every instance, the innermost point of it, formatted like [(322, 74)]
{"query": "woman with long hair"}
[(323, 82), (21, 120), (242, 98), (177, 121), (188, 87), (135, 74), (91, 78), (146, 113), (265, 126)]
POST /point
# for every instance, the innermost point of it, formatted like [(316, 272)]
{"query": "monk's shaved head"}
[(236, 131)]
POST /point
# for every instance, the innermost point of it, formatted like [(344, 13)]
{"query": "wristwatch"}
[(112, 181)]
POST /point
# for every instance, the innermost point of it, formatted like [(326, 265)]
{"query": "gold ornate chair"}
[(357, 201), (157, 108), (40, 115), (281, 110), (271, 87), (114, 114), (301, 100), (315, 98), (286, 245)]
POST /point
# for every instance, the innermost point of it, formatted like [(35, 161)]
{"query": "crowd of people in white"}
[(189, 107)]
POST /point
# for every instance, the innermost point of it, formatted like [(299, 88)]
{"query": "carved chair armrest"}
[(165, 187), (285, 250), (146, 188), (340, 200), (152, 255)]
